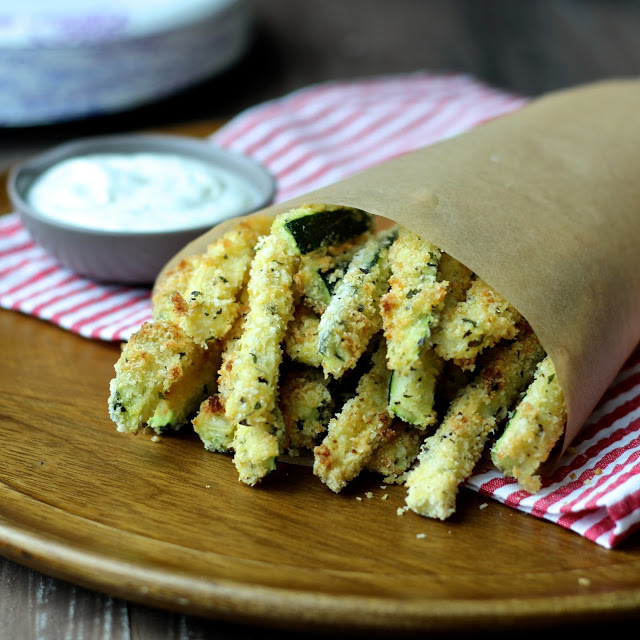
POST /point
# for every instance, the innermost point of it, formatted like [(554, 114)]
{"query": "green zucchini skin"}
[(353, 316), (312, 230)]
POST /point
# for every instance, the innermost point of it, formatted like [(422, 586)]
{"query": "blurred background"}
[(525, 47)]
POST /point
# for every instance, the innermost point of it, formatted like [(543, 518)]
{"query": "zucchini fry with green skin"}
[(478, 323), (411, 306), (254, 375), (312, 227), (301, 339), (155, 358), (177, 405), (412, 395), (257, 448), (353, 315), (361, 426), (394, 457), (533, 430), (449, 456), (321, 270), (213, 426), (307, 408)]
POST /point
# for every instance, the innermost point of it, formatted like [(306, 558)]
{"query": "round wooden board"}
[(167, 523)]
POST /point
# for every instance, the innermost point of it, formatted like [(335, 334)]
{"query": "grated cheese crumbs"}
[(584, 582), (484, 505), (358, 498), (597, 471), (155, 439), (369, 494), (421, 536), (385, 496)]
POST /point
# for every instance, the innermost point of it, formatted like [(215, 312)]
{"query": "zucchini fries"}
[(366, 351)]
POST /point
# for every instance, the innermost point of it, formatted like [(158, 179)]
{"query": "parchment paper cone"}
[(544, 205)]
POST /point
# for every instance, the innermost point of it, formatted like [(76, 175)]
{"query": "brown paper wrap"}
[(544, 205)]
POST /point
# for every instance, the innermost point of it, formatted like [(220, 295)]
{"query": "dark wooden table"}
[(525, 47)]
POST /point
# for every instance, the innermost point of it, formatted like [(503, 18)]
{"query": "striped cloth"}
[(314, 137)]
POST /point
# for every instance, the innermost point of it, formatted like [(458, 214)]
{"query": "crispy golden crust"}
[(252, 392), (448, 457), (411, 306), (533, 430), (394, 457), (156, 357), (353, 315), (257, 448), (328, 341), (208, 306), (475, 324), (357, 430), (301, 339), (307, 408), (212, 425)]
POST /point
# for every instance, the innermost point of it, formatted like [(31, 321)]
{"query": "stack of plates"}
[(79, 58)]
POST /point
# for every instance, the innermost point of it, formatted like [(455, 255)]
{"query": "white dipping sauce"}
[(139, 192)]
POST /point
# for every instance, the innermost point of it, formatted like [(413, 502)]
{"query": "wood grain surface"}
[(167, 525)]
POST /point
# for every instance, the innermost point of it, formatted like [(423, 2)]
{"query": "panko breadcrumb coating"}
[(312, 335), (450, 454), (533, 430), (155, 359)]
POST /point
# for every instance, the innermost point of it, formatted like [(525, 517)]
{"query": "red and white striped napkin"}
[(314, 137)]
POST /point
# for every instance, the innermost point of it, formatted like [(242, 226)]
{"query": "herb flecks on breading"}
[(156, 358), (450, 454), (412, 304), (208, 306), (353, 315), (533, 430), (475, 324), (353, 434)]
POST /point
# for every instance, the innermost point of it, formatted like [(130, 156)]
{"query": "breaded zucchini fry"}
[(301, 339), (253, 378), (353, 315), (533, 430), (251, 399), (449, 456), (177, 405), (479, 322), (257, 448), (357, 430), (155, 358), (175, 281), (213, 426), (209, 305), (396, 455), (306, 409), (410, 308), (229, 348), (458, 278), (321, 270), (412, 394)]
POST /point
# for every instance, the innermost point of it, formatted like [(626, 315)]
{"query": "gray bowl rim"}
[(200, 148)]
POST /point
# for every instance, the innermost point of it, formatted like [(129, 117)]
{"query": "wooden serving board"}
[(168, 524)]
